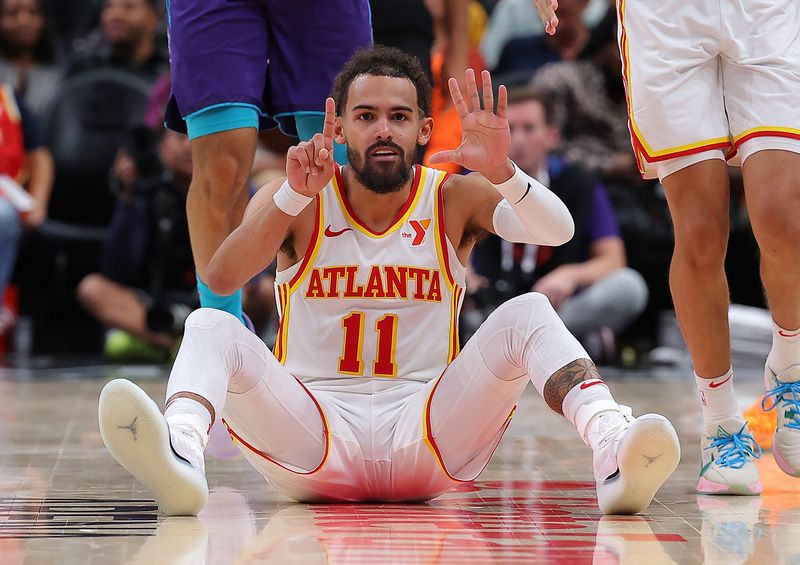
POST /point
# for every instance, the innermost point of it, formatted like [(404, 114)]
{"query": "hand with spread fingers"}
[(547, 13), (485, 135), (309, 165)]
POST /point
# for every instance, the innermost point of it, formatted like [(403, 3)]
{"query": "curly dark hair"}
[(382, 61)]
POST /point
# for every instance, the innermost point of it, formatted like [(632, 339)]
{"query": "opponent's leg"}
[(217, 197), (772, 185), (698, 198), (524, 339), (218, 358)]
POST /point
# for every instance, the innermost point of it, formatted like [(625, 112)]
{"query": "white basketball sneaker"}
[(783, 396), (632, 459), (728, 452), (139, 438)]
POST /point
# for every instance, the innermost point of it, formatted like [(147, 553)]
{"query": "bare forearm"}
[(248, 249)]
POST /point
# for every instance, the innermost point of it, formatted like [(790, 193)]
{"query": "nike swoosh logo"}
[(330, 233), (587, 384), (719, 384), (527, 190), (784, 334)]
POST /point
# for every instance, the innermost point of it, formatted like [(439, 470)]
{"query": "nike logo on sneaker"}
[(719, 384), (330, 233), (785, 334), (587, 384), (612, 476)]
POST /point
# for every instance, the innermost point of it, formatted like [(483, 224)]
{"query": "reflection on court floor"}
[(63, 499)]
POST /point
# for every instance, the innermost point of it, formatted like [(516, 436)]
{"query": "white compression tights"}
[(230, 367), (233, 369), (522, 340)]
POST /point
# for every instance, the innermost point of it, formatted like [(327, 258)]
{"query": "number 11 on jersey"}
[(352, 362)]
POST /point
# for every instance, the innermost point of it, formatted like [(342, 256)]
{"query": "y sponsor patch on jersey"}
[(415, 232)]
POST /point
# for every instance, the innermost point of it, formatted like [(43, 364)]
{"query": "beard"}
[(381, 178)]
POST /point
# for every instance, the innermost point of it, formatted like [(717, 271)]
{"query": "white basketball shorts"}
[(710, 79)]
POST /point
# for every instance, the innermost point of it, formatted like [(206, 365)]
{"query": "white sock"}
[(718, 398), (584, 402), (188, 415), (785, 350)]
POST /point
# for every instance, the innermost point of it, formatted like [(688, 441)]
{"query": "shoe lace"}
[(789, 393), (734, 449)]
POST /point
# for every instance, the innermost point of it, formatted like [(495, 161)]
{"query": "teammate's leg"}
[(698, 198), (772, 186), (525, 340), (219, 363)]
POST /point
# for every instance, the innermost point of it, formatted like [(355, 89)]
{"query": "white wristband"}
[(515, 188), (289, 201)]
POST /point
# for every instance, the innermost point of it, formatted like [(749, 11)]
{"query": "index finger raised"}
[(330, 122)]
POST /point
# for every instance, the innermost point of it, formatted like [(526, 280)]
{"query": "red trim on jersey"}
[(409, 201), (442, 233), (456, 345), (278, 349), (271, 460), (312, 242)]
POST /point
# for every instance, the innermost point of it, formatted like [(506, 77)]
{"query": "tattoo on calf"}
[(565, 379)]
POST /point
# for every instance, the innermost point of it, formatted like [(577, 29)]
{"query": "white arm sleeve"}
[(531, 213)]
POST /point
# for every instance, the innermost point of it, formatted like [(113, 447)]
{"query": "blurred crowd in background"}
[(94, 247)]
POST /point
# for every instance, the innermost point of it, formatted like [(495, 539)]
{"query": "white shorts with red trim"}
[(388, 439), (705, 77)]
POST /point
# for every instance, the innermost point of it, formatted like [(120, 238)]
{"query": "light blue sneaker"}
[(783, 396), (729, 452)]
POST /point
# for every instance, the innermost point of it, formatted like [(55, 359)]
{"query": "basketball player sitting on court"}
[(366, 396)]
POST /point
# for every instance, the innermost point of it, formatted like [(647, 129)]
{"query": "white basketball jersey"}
[(368, 304)]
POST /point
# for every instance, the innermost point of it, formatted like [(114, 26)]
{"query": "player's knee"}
[(701, 243), (221, 177), (779, 233), (527, 307), (211, 318)]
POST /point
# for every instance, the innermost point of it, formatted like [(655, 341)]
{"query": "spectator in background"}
[(523, 56), (589, 106), (586, 279), (447, 133), (511, 19), (25, 161), (147, 263), (27, 54), (129, 41)]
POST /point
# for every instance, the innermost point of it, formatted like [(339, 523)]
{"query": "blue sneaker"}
[(783, 396)]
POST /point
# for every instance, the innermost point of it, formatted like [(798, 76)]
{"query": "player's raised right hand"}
[(309, 164)]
